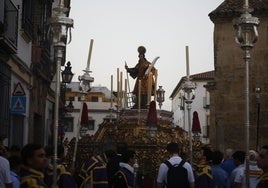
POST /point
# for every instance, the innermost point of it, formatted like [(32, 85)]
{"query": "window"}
[(91, 125), (69, 124), (8, 25), (94, 99), (27, 18)]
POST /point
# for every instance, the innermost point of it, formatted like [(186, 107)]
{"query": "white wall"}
[(181, 116)]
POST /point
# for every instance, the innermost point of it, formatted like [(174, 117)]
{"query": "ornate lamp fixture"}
[(67, 74), (59, 26), (247, 36), (160, 96)]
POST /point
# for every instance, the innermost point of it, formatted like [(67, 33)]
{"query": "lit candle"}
[(187, 61)]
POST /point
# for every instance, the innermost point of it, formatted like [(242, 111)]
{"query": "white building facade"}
[(99, 106), (200, 104)]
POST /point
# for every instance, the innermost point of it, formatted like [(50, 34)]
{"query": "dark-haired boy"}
[(173, 150), (34, 163)]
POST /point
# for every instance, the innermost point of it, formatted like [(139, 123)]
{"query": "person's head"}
[(15, 162), (206, 153), (34, 156), (128, 156), (121, 147), (142, 51), (173, 148), (14, 150), (239, 157), (3, 151), (110, 154), (253, 155), (262, 160), (217, 157), (228, 153)]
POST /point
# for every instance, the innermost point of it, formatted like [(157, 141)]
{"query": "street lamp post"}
[(247, 35), (59, 26), (189, 95)]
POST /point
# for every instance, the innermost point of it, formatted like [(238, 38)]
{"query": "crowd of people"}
[(215, 169), (32, 167)]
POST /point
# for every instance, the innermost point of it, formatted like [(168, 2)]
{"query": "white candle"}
[(187, 62), (149, 88), (139, 94), (89, 53), (111, 91), (121, 87), (155, 83), (125, 93), (117, 86)]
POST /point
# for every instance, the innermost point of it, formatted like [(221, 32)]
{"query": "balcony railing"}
[(8, 26)]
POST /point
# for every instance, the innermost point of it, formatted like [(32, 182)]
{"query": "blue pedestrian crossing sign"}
[(18, 100), (18, 104)]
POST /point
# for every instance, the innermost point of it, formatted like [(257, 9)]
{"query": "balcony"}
[(8, 26)]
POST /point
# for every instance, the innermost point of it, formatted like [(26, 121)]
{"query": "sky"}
[(163, 27)]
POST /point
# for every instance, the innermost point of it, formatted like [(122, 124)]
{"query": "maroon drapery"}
[(196, 123), (84, 115), (152, 115)]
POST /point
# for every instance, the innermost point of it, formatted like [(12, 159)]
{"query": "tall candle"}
[(149, 88), (121, 85), (89, 53), (111, 91), (117, 86), (155, 83), (139, 95), (187, 61), (125, 97)]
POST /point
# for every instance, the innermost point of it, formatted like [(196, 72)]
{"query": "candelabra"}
[(59, 26), (247, 35)]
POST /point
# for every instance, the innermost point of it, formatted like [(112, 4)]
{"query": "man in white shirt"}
[(173, 150), (5, 179)]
